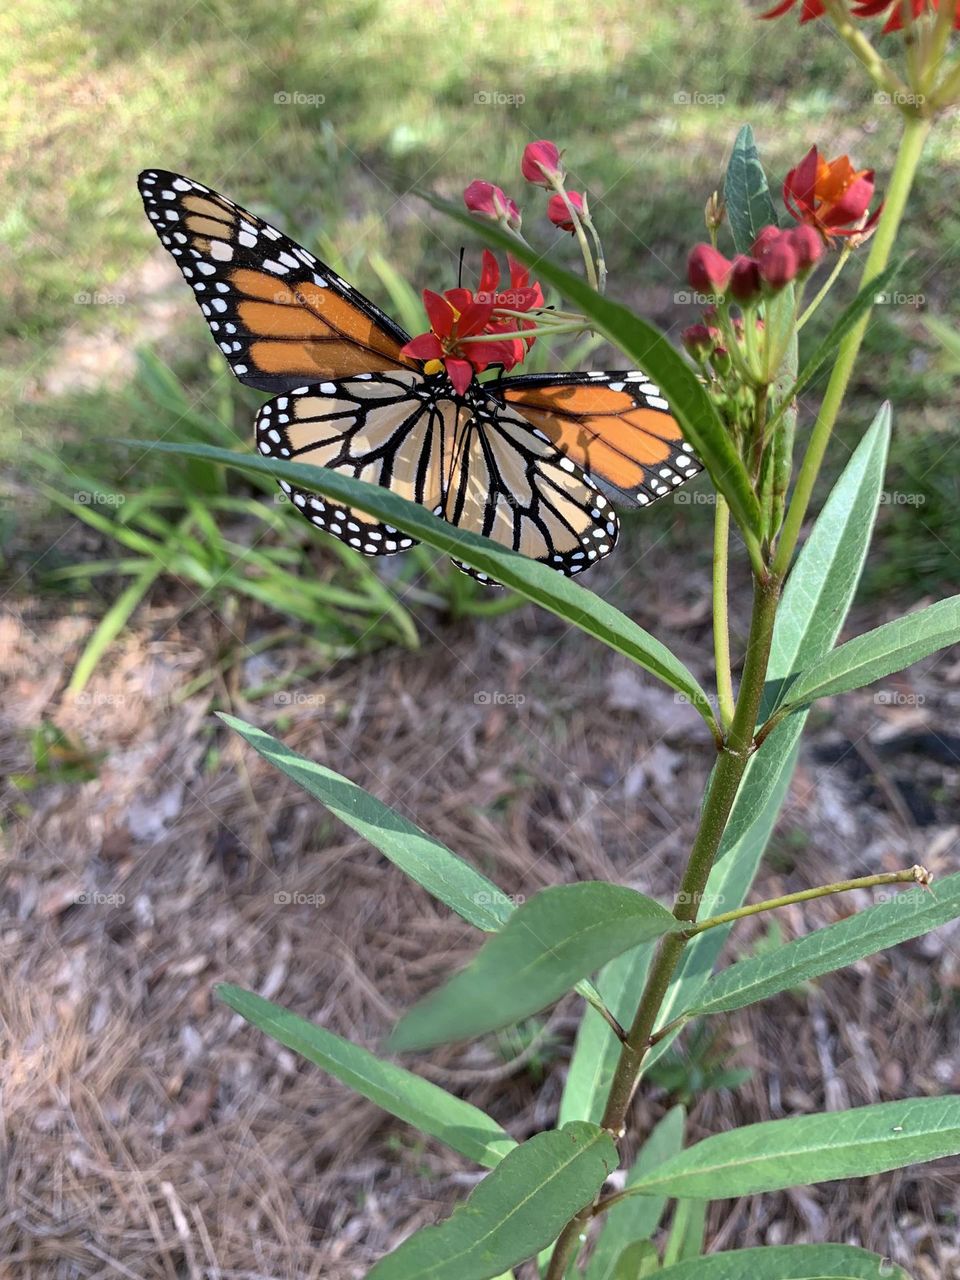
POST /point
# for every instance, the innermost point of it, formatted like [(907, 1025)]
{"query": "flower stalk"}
[(913, 139)]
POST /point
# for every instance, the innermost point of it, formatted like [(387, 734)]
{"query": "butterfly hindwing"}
[(510, 483), (616, 426), (388, 429), (279, 315)]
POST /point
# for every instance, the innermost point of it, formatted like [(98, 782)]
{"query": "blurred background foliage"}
[(326, 119)]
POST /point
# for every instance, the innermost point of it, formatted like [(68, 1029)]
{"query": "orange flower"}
[(830, 195)]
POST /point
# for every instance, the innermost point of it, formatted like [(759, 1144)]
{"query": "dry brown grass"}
[(149, 1133)]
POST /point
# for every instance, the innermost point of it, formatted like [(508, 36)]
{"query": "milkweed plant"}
[(559, 1203)]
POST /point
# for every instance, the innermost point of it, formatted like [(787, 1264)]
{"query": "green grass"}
[(93, 92)]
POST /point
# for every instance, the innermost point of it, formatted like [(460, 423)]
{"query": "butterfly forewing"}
[(615, 426), (279, 315)]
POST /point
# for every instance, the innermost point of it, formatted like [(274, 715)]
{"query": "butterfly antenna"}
[(460, 269)]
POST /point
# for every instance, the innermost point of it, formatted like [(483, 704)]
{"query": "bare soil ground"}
[(147, 1132)]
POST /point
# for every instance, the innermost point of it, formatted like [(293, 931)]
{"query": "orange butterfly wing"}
[(279, 315), (615, 426)]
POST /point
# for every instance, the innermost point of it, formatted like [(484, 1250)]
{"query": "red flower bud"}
[(490, 202), (708, 271), (698, 340), (745, 278), (541, 163), (559, 214), (766, 236), (779, 263), (808, 244)]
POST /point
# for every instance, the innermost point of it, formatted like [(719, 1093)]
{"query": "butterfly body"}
[(521, 460)]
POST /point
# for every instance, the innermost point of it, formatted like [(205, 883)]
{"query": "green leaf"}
[(815, 602), (822, 583), (906, 915), (637, 1262), (648, 349), (746, 194), (429, 1108), (597, 1049), (752, 819), (686, 1231), (537, 582), (880, 652), (559, 936), (637, 1218), (513, 1212), (788, 1262), (425, 860), (806, 1149)]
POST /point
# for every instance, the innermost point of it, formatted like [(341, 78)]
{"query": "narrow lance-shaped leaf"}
[(907, 914), (880, 653), (537, 582), (559, 936), (803, 1150), (425, 860), (815, 602), (648, 349), (788, 1262), (746, 193), (516, 1210), (822, 582), (409, 1097)]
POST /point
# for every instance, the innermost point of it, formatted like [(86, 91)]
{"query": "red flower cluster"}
[(460, 313), (541, 165), (812, 9), (776, 257), (831, 196)]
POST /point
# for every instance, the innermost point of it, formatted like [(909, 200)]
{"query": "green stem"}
[(879, 71), (841, 262), (722, 792), (943, 28), (912, 142), (916, 875), (721, 619), (578, 231)]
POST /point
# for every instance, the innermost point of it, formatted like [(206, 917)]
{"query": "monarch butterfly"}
[(521, 460)]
